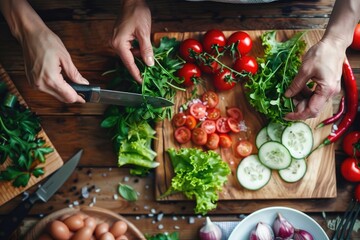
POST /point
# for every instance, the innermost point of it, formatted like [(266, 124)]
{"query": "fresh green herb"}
[(199, 175), (277, 69), (19, 141), (163, 236), (127, 192)]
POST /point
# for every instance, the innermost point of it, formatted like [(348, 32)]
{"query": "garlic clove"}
[(210, 231), (262, 231), (283, 228)]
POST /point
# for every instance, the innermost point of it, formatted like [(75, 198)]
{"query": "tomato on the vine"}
[(241, 43), (225, 140), (208, 65), (356, 38), (189, 48), (235, 113), (182, 135), (198, 110), (190, 122), (212, 39), (224, 80), (246, 64), (213, 113), (350, 169), (199, 136), (179, 119), (351, 144), (243, 148), (222, 125), (209, 126), (213, 141), (210, 99), (190, 73)]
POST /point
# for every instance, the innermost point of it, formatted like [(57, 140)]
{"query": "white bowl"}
[(267, 215)]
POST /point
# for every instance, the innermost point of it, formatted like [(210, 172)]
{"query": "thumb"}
[(72, 72)]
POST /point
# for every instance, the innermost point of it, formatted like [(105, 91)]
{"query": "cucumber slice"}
[(251, 174), (274, 131), (295, 171), (298, 138), (274, 155), (262, 137)]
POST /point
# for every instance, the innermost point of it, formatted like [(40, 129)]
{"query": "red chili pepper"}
[(336, 116), (351, 93)]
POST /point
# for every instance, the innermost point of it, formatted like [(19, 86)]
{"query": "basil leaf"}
[(127, 192)]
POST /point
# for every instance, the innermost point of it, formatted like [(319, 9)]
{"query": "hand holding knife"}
[(45, 191)]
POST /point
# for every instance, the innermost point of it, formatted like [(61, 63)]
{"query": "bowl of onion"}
[(278, 223)]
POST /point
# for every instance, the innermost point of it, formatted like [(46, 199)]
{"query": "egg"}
[(101, 229), (122, 237), (90, 222), (58, 230), (74, 222), (84, 233), (118, 228), (107, 236)]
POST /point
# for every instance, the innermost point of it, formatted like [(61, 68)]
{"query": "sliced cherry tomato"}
[(199, 136), (356, 38), (246, 64), (235, 113), (179, 119), (213, 141), (210, 99), (225, 140), (222, 125), (233, 124), (190, 73), (224, 80), (189, 48), (198, 110), (182, 135), (244, 148), (209, 126), (241, 42), (357, 192), (208, 65), (190, 122), (212, 39), (213, 113), (351, 144), (350, 169)]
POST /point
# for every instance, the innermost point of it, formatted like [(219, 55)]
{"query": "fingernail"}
[(288, 93), (149, 61), (85, 81)]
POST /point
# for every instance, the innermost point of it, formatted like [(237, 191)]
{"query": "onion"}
[(301, 234), (262, 231), (283, 228), (210, 231)]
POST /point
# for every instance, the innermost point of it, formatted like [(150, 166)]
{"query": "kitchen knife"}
[(45, 191), (95, 94)]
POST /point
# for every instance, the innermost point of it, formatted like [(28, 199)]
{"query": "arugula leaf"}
[(278, 67), (199, 175)]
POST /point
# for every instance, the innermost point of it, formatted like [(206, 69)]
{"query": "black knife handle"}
[(12, 221), (86, 91)]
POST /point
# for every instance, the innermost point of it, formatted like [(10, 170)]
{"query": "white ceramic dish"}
[(296, 218)]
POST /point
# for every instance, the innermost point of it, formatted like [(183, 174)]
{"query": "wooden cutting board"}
[(320, 178), (53, 160)]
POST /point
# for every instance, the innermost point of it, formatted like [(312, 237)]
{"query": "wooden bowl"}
[(100, 214)]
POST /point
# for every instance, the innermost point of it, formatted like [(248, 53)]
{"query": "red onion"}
[(283, 228), (262, 231), (210, 231), (301, 234)]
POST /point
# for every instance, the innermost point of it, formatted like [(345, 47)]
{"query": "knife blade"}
[(95, 94), (45, 191)]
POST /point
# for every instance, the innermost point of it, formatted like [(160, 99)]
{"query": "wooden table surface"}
[(85, 27)]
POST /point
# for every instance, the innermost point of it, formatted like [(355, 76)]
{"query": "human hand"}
[(323, 64), (134, 22), (46, 60)]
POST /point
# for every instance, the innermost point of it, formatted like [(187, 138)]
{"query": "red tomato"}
[(234, 125), (351, 144), (210, 99), (190, 122), (209, 126), (244, 148), (246, 64), (222, 125), (212, 39), (235, 113), (241, 42), (224, 80), (182, 135), (225, 140), (207, 65), (213, 113), (199, 136), (190, 73), (213, 141), (179, 119), (189, 48), (350, 170), (357, 192), (198, 110), (356, 38)]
